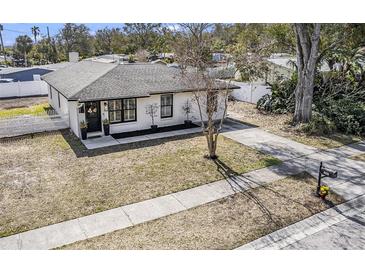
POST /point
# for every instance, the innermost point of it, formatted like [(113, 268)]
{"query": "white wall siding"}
[(23, 89), (73, 116), (52, 96), (144, 120), (60, 106)]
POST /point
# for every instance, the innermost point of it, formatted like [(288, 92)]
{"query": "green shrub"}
[(319, 125), (348, 115), (281, 99), (338, 104)]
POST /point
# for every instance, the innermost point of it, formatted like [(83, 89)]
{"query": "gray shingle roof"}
[(97, 81), (73, 78)]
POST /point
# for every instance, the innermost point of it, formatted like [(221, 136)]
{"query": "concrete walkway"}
[(67, 232), (279, 147), (341, 227), (299, 158)]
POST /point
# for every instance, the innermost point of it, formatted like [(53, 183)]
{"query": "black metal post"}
[(319, 178)]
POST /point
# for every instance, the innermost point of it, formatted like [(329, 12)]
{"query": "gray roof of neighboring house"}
[(288, 61), (55, 66), (88, 81), (10, 70)]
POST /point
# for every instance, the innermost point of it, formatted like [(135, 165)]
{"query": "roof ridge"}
[(112, 68)]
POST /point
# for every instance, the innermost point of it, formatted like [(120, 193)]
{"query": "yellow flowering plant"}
[(324, 190)]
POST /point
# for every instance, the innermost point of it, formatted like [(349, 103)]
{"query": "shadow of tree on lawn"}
[(242, 184)]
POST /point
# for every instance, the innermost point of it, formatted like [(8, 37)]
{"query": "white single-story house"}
[(91, 92)]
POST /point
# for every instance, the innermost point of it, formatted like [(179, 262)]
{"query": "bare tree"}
[(212, 101), (187, 109), (142, 55), (307, 55), (151, 110), (211, 96)]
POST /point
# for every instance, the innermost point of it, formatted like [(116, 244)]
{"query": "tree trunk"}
[(212, 138), (307, 55), (25, 59), (210, 133), (304, 98)]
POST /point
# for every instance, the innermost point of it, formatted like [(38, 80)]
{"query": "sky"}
[(11, 31)]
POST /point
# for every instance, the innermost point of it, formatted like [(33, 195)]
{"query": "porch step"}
[(95, 134)]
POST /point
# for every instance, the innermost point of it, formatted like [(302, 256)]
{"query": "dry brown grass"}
[(43, 181), (359, 157), (280, 124), (224, 224), (22, 102)]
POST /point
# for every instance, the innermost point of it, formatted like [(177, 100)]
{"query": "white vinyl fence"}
[(27, 124), (249, 92), (23, 89)]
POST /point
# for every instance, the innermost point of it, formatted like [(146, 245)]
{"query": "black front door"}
[(92, 112)]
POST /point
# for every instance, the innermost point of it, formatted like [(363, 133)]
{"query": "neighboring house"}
[(8, 59), (161, 56), (23, 74), (110, 58), (221, 57), (25, 82), (223, 71), (6, 80), (29, 73), (91, 91), (279, 65), (169, 55), (158, 61)]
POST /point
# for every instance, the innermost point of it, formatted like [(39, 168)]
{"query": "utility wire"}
[(18, 31)]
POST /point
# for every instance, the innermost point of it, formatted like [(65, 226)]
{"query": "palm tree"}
[(23, 44), (35, 32)]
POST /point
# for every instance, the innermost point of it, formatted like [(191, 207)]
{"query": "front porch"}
[(100, 141), (106, 141)]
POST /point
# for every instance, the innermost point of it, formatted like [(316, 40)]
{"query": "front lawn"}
[(224, 224), (44, 180), (22, 102), (38, 109), (280, 124), (359, 157)]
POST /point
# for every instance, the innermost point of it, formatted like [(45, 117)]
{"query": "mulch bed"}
[(151, 131)]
